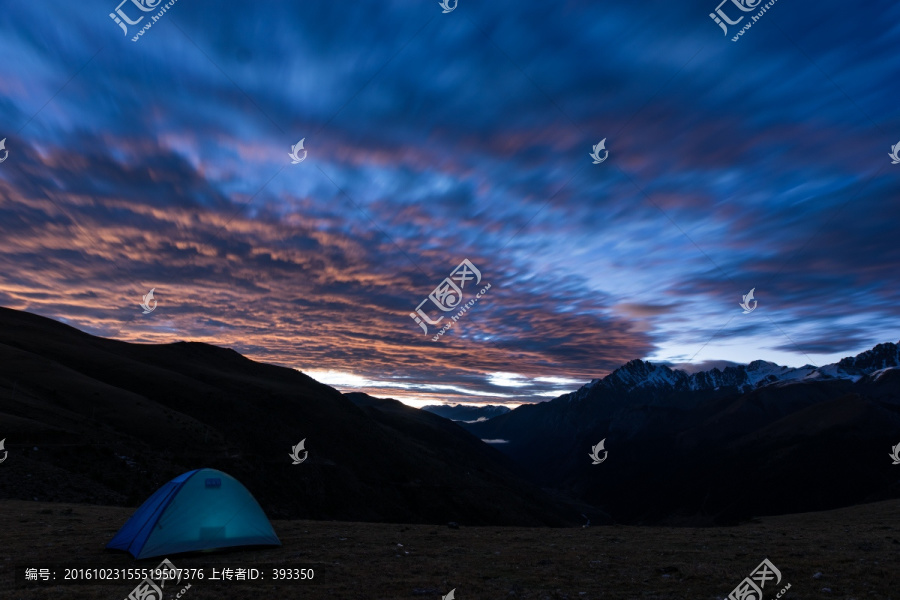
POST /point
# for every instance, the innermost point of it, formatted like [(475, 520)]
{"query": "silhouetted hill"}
[(93, 420)]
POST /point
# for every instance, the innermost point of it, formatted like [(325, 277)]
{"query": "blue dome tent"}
[(199, 510)]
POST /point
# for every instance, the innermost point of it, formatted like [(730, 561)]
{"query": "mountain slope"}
[(448, 442), (694, 448), (94, 420)]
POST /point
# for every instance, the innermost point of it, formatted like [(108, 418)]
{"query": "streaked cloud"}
[(163, 164)]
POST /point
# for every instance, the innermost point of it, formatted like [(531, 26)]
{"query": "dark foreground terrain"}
[(855, 550)]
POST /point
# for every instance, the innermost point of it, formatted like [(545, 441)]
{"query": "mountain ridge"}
[(669, 434), (758, 373), (91, 420)]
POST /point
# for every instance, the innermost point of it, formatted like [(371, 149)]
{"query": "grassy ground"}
[(856, 551)]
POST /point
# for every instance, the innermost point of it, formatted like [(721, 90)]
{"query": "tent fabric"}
[(199, 510)]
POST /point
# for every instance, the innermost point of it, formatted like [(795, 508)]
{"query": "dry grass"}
[(857, 550)]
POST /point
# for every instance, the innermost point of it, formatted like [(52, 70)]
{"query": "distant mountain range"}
[(463, 412), (716, 446), (92, 420), (638, 374)]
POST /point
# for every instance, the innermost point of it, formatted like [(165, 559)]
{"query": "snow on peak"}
[(638, 374)]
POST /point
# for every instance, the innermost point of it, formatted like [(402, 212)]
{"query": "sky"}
[(431, 138)]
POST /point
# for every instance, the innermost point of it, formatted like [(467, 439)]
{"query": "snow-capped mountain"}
[(638, 375), (721, 444)]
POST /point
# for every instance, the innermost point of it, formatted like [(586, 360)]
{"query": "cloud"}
[(163, 164)]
